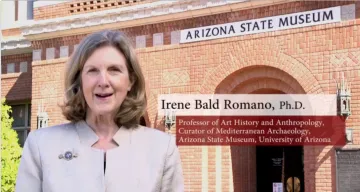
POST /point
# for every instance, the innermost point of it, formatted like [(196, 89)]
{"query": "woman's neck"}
[(104, 126)]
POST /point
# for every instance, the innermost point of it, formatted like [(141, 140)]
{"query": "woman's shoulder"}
[(53, 131), (155, 136), (153, 132)]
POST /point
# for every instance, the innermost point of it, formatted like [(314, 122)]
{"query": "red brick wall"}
[(323, 54), (16, 59), (11, 32), (16, 86), (168, 27), (313, 58), (47, 90), (80, 7)]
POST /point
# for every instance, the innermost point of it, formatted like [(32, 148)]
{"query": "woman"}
[(102, 148)]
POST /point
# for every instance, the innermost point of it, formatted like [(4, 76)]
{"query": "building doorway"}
[(279, 166)]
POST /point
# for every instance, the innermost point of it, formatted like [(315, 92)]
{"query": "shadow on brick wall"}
[(21, 90)]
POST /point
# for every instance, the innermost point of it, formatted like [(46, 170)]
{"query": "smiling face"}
[(105, 81)]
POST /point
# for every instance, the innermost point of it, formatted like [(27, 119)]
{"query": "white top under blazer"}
[(61, 159)]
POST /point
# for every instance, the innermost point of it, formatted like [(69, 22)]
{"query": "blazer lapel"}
[(86, 135)]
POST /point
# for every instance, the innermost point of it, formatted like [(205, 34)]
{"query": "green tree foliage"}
[(10, 150)]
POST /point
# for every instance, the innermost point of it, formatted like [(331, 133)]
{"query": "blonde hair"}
[(133, 106)]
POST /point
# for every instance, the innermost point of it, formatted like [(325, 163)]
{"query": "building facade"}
[(297, 59)]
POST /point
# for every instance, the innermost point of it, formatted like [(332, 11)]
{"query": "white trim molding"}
[(15, 45)]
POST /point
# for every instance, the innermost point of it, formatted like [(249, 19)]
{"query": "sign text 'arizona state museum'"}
[(282, 22)]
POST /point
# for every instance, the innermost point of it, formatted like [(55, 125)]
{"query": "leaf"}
[(10, 150)]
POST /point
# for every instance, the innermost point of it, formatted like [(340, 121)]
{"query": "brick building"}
[(295, 60)]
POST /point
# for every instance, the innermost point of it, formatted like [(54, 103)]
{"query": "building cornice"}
[(15, 45), (137, 15)]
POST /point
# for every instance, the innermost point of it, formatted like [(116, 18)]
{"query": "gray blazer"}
[(60, 159)]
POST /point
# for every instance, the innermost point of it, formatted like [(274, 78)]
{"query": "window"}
[(21, 115), (30, 9), (23, 67), (10, 68)]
